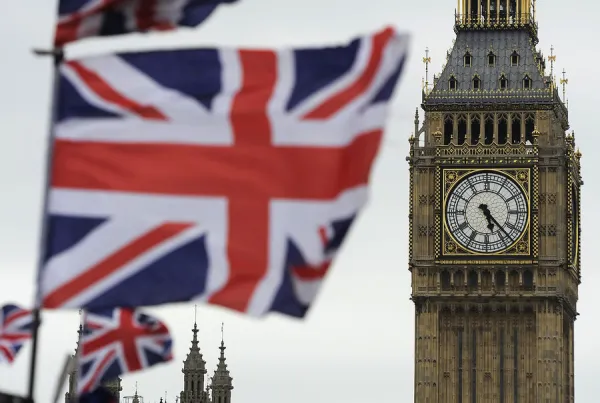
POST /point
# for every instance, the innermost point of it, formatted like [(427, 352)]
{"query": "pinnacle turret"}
[(194, 369), (222, 381), (222, 373), (194, 360)]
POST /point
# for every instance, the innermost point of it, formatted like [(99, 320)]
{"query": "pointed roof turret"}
[(194, 360), (221, 378)]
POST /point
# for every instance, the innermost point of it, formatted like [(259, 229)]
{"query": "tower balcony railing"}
[(488, 291), (495, 20), (499, 20)]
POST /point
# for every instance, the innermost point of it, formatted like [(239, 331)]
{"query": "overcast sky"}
[(356, 346)]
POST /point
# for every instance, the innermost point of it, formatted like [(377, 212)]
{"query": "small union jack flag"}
[(15, 328), (79, 19), (119, 341)]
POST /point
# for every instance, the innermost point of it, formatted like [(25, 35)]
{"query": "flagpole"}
[(78, 352), (57, 57)]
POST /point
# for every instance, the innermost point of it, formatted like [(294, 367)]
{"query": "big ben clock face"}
[(486, 212)]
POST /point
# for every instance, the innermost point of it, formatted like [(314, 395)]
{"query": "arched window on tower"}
[(500, 280), (475, 129), (459, 280), (486, 281), (476, 83), (491, 59), (502, 128), (527, 83), (489, 128), (468, 59), (452, 84), (513, 280), (529, 128), (493, 12), (462, 129), (475, 11), (448, 129), (516, 128), (445, 280), (512, 11), (503, 11), (503, 82), (514, 59), (473, 280), (528, 280)]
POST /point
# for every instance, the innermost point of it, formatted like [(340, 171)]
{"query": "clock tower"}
[(494, 218)]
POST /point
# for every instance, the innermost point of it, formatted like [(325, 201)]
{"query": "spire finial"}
[(79, 331), (552, 59), (195, 337), (80, 321), (426, 60), (136, 397), (564, 81), (222, 348), (195, 329)]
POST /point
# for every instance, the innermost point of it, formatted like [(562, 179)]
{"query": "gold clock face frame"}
[(486, 212), (574, 226)]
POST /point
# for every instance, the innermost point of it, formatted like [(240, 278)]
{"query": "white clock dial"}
[(486, 212)]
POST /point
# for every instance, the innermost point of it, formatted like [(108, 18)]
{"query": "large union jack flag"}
[(15, 329), (119, 341), (78, 19), (223, 175)]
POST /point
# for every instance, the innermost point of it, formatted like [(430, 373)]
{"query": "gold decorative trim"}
[(573, 255), (485, 262), (521, 247), (410, 215), (535, 222), (437, 210)]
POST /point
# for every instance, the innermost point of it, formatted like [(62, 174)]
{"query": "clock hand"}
[(486, 212), (501, 228)]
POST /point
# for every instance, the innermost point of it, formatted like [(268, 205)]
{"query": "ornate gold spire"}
[(552, 59), (564, 81), (427, 61)]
